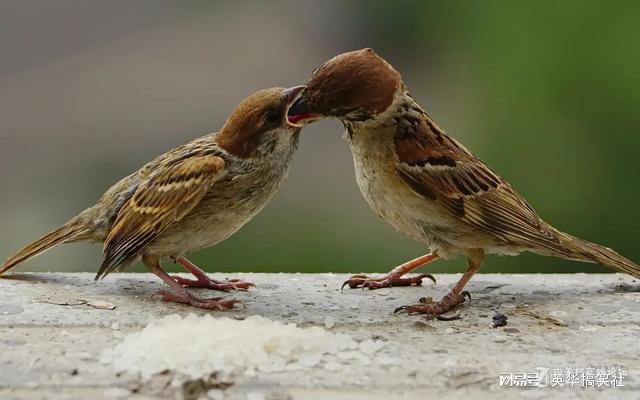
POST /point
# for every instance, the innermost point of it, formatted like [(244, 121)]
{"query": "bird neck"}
[(403, 113)]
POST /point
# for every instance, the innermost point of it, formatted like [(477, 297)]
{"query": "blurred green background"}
[(545, 92)]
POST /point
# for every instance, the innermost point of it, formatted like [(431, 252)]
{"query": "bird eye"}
[(272, 118)]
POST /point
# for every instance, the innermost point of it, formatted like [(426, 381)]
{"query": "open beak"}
[(291, 94), (301, 113)]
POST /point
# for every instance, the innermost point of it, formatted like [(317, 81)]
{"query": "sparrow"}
[(425, 183), (189, 198)]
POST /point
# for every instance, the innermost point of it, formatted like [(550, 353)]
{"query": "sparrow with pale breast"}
[(189, 198), (425, 183)]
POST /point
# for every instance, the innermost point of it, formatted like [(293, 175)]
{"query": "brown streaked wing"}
[(434, 165), (165, 197)]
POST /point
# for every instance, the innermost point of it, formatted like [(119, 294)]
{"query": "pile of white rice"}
[(199, 346)]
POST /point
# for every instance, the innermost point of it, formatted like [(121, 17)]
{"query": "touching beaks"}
[(291, 94), (300, 112)]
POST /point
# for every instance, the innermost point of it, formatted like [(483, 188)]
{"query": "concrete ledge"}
[(51, 350)]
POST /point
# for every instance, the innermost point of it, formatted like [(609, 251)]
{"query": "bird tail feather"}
[(74, 230), (583, 250)]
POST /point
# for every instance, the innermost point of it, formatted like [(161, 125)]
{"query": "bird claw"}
[(448, 302), (354, 281), (214, 303), (401, 310), (238, 284), (386, 281), (224, 286)]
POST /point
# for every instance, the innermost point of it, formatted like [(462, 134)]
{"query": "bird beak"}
[(291, 94), (301, 113)]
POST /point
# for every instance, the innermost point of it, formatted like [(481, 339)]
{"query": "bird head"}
[(259, 124), (354, 86)]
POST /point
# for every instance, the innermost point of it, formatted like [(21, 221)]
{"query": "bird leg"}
[(182, 295), (203, 281), (394, 277), (452, 299)]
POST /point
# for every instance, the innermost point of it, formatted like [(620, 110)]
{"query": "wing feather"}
[(164, 197), (436, 167)]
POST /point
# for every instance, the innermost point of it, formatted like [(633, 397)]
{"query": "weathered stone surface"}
[(51, 339)]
